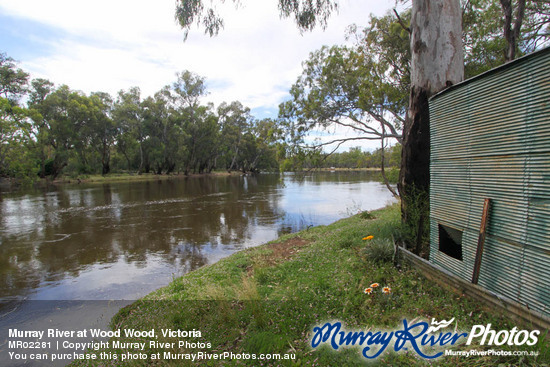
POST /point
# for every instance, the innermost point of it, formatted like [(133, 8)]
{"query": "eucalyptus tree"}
[(487, 32), (13, 142), (205, 137), (8, 134), (101, 129), (165, 126), (267, 136), (145, 131), (59, 116), (156, 125), (235, 123), (38, 134), (128, 116), (363, 87), (197, 139), (188, 88), (258, 147), (197, 123), (13, 80), (435, 25), (437, 61)]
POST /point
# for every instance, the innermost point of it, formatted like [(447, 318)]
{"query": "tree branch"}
[(382, 170), (401, 22), (339, 141)]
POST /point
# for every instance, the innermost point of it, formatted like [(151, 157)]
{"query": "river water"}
[(72, 255), (123, 240)]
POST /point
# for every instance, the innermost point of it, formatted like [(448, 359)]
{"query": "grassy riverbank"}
[(267, 300)]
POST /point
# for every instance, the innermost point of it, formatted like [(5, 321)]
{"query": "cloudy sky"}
[(109, 45)]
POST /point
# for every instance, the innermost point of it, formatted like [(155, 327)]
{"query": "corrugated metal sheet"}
[(490, 138)]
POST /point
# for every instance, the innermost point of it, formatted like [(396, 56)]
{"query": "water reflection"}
[(120, 241)]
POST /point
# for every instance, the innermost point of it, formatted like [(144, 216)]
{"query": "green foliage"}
[(307, 14), (364, 88), (417, 220), (15, 158), (354, 158), (65, 131), (366, 215), (483, 25), (393, 175), (13, 81)]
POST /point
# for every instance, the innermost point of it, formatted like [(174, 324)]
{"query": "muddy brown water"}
[(123, 240), (120, 241)]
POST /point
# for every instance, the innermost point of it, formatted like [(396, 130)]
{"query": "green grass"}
[(268, 299)]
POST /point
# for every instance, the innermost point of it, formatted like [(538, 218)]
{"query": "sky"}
[(113, 45)]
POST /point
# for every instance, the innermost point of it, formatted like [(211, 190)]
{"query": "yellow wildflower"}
[(368, 290), (374, 285), (368, 238)]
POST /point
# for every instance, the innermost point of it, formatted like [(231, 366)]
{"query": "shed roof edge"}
[(492, 71)]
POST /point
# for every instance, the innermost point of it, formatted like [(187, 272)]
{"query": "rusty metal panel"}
[(490, 138)]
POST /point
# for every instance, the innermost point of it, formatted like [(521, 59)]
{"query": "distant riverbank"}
[(10, 183), (134, 177), (118, 177)]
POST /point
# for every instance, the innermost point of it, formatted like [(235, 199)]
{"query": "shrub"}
[(366, 215), (380, 250)]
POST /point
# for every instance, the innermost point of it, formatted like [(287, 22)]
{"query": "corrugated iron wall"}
[(490, 138)]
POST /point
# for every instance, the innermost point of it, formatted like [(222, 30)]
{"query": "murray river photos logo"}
[(420, 336)]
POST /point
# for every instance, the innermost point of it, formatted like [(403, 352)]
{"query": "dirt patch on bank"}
[(280, 252), (287, 249)]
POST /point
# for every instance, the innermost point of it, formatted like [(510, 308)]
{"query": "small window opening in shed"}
[(450, 241)]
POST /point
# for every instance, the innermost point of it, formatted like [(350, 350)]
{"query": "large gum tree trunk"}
[(437, 61)]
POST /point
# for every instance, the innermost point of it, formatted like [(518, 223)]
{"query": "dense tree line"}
[(58, 129), (364, 87), (354, 158), (47, 130)]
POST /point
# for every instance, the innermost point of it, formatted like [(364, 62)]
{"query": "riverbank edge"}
[(12, 183), (268, 298), (134, 177)]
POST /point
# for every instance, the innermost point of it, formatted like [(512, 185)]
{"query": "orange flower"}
[(374, 285), (368, 290), (386, 290), (368, 238)]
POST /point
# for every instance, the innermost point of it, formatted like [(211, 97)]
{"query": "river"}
[(123, 240), (72, 255)]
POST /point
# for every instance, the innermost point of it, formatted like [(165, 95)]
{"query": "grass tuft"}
[(380, 251)]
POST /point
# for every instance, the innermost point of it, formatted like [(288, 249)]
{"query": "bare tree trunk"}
[(234, 160), (511, 34), (140, 169), (437, 61), (105, 159)]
